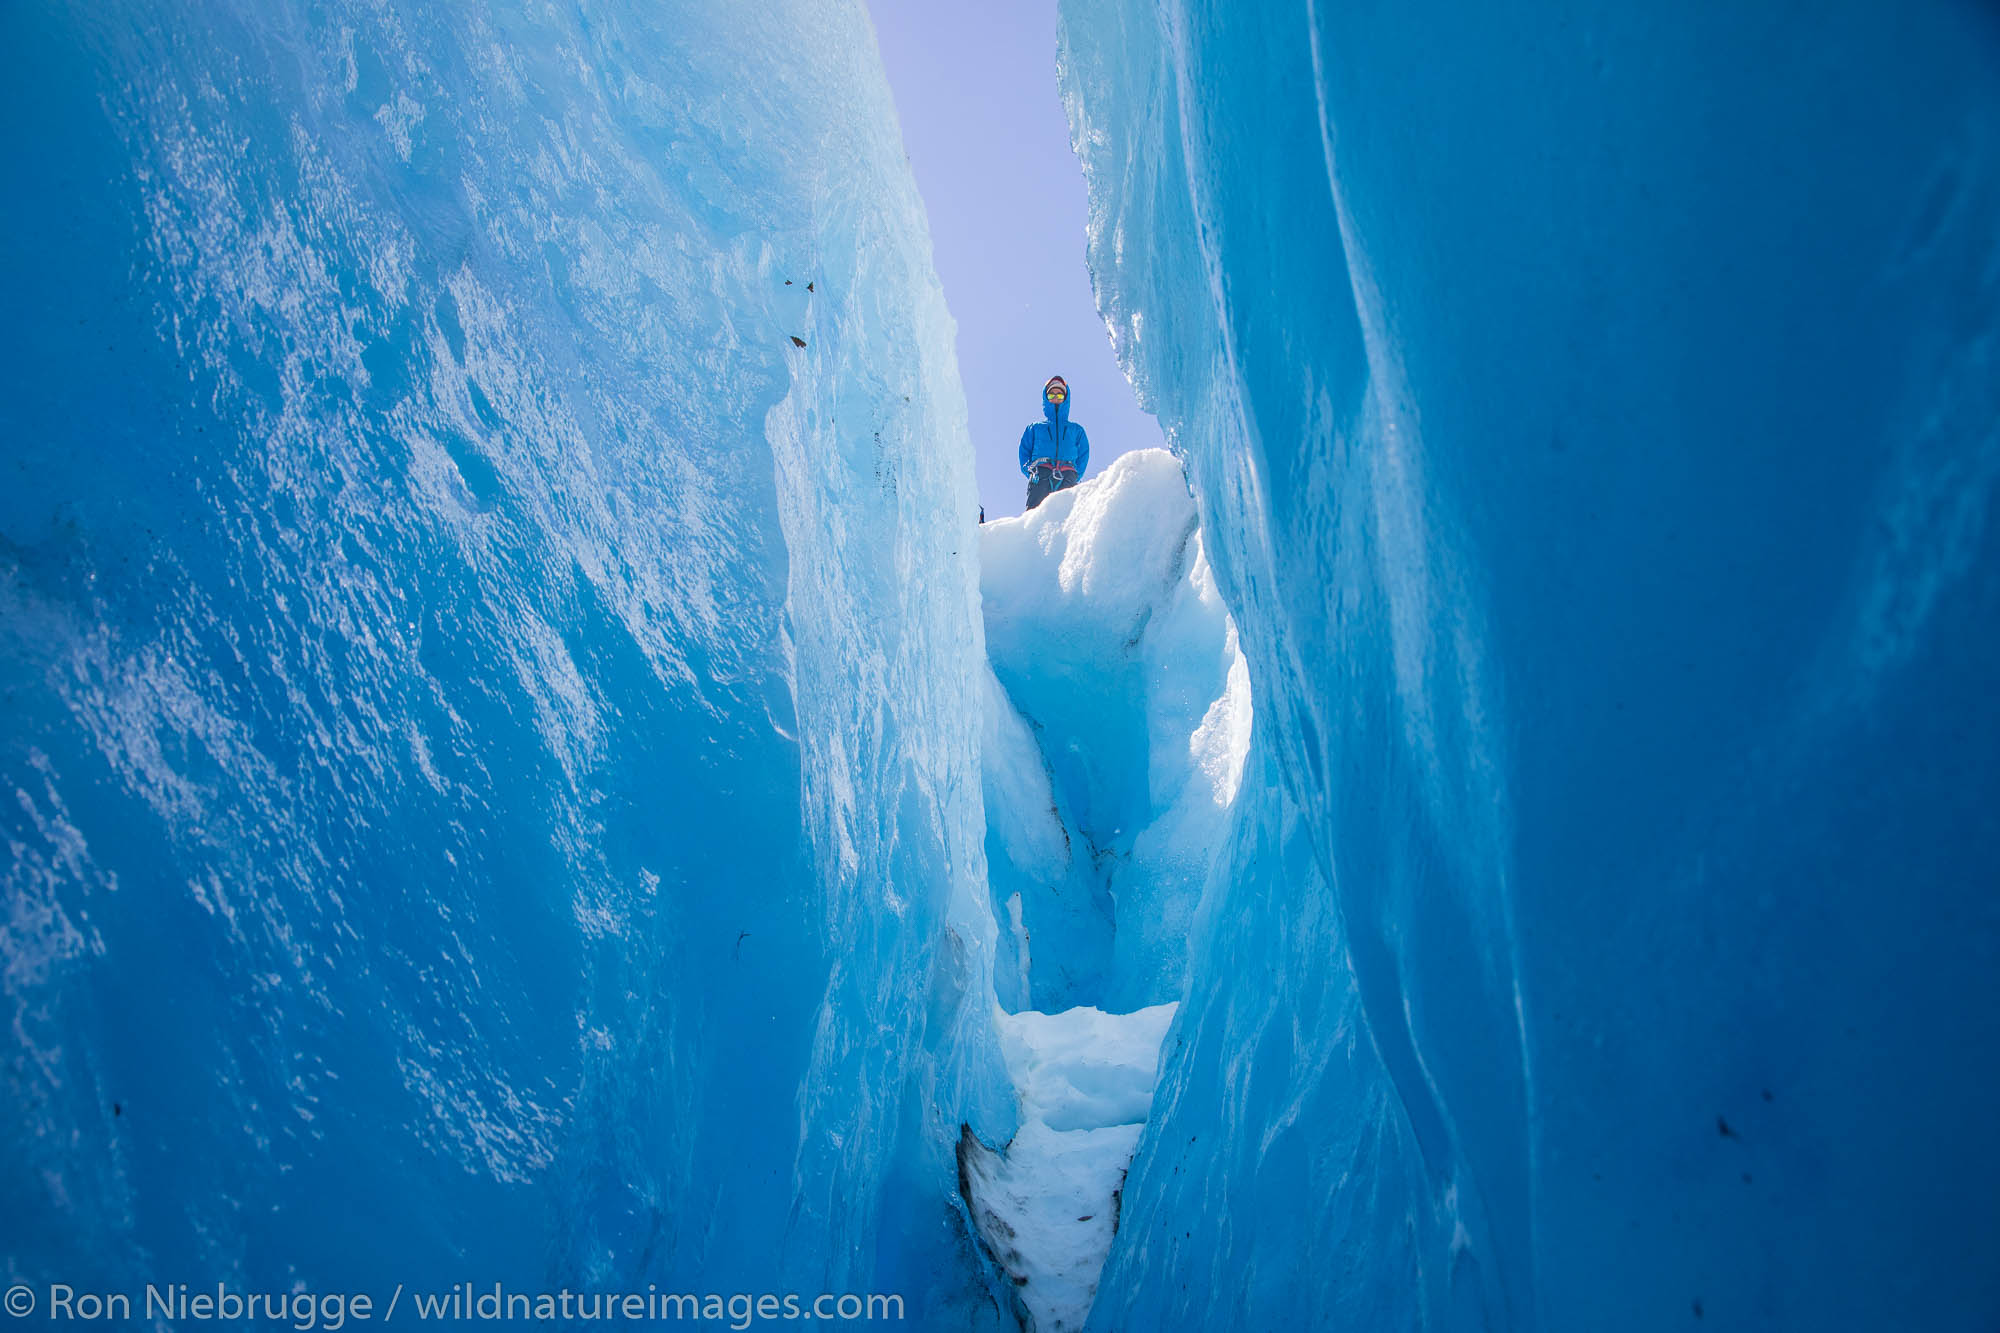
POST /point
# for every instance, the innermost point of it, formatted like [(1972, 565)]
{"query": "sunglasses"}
[(1056, 391)]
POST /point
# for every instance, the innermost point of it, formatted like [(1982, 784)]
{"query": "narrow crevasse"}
[(492, 674), (1116, 728)]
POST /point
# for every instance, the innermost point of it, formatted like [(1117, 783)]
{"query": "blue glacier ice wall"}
[(1595, 417), (490, 649)]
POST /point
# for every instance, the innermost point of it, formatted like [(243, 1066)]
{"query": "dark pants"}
[(1044, 482)]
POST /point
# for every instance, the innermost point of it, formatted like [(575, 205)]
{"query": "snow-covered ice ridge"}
[(1117, 723)]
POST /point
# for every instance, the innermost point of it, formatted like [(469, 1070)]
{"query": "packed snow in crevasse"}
[(1118, 717), (1118, 721), (500, 778), (1046, 1207)]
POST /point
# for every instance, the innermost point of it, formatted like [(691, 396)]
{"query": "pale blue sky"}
[(975, 87)]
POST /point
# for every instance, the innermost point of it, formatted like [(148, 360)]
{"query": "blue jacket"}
[(1057, 437)]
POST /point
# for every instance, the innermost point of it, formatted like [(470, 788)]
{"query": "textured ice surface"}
[(490, 654), (494, 712), (1117, 727), (1046, 1207), (1592, 410), (1083, 1068)]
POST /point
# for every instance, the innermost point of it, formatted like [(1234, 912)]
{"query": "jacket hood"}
[(1058, 417)]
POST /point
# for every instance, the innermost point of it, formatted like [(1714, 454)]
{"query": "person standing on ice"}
[(1054, 451)]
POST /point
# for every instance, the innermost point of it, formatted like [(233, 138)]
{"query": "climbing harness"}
[(1060, 476)]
